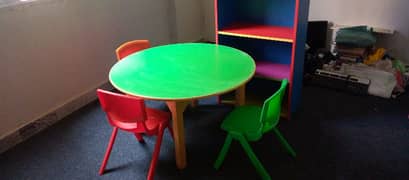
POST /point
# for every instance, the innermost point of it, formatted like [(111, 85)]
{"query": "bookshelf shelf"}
[(259, 31), (274, 71), (273, 32)]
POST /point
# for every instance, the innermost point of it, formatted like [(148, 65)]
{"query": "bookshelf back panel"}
[(227, 13), (268, 12), (265, 50)]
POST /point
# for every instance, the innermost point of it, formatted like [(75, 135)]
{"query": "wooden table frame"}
[(222, 60), (177, 108)]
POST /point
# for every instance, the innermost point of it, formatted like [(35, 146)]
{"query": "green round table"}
[(180, 73)]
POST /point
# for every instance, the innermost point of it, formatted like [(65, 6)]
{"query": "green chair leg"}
[(284, 142), (257, 164), (223, 152)]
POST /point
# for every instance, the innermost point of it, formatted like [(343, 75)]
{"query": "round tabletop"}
[(182, 71)]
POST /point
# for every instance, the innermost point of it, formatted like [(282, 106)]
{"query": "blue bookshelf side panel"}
[(277, 52), (299, 54), (269, 12)]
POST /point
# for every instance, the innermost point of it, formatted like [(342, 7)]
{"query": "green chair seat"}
[(244, 120)]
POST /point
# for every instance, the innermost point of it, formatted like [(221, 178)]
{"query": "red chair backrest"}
[(123, 111), (131, 47)]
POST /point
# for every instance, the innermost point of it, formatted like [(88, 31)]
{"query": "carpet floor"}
[(336, 136)]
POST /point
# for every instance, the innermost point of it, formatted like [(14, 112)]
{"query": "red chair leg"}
[(155, 155), (139, 137), (108, 151)]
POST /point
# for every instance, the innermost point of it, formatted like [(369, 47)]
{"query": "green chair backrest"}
[(271, 110)]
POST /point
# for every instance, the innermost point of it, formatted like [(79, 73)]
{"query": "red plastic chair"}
[(130, 114), (130, 47)]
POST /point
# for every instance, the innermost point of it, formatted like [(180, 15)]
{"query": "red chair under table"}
[(130, 47), (130, 114)]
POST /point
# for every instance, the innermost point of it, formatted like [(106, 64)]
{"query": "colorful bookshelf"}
[(273, 32)]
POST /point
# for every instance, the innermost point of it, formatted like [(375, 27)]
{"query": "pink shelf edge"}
[(273, 70)]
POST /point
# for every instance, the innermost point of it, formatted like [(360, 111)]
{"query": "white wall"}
[(208, 16), (391, 14), (55, 50), (189, 20)]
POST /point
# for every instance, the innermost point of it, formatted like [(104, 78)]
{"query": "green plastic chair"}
[(249, 123)]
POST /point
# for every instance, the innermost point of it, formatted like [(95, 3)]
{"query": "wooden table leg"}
[(177, 108), (241, 95), (195, 103)]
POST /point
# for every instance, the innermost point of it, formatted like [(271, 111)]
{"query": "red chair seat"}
[(156, 117), (130, 114)]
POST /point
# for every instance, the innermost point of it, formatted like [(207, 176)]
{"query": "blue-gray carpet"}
[(336, 135)]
